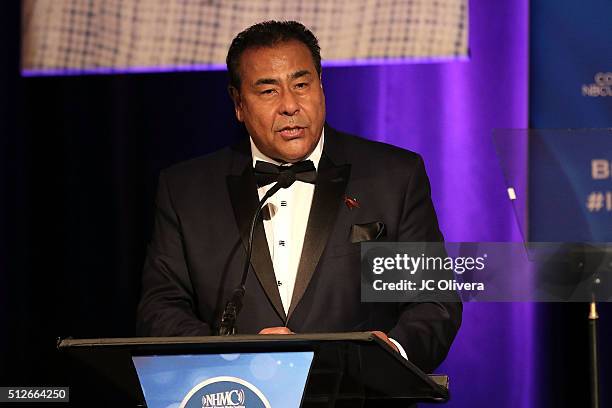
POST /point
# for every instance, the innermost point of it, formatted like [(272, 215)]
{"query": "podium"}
[(303, 370)]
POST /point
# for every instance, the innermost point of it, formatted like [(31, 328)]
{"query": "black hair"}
[(266, 34)]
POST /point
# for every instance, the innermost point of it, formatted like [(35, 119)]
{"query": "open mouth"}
[(292, 132)]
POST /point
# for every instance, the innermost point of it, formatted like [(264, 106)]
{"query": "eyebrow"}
[(272, 81), (300, 74)]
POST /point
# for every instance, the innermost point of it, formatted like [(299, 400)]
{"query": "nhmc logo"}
[(225, 392), (232, 398)]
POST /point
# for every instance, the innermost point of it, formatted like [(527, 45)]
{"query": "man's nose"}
[(289, 105)]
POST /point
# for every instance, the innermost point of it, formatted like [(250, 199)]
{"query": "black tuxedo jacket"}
[(203, 211)]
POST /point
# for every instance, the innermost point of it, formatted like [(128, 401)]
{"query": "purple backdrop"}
[(447, 112)]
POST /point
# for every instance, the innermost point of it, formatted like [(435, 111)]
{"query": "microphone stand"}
[(593, 354), (227, 327)]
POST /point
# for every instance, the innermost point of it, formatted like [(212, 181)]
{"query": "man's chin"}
[(296, 155), (293, 158)]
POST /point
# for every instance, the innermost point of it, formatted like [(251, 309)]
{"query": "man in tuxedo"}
[(305, 268)]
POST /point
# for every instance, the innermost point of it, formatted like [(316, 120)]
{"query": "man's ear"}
[(235, 95), (321, 80)]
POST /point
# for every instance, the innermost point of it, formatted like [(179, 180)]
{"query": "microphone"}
[(227, 327)]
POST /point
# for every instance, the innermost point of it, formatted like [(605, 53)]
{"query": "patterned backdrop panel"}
[(74, 36)]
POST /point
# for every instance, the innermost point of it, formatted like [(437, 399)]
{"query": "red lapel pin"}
[(351, 202)]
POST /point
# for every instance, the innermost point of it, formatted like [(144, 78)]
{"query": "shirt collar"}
[(314, 156)]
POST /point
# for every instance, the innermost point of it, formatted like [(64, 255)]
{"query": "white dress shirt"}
[(285, 224)]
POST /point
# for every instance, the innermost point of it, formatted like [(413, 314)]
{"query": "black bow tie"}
[(268, 173)]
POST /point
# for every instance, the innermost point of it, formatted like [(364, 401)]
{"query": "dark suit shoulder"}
[(199, 185), (372, 156), (215, 162)]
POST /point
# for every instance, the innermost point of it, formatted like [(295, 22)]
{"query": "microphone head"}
[(286, 179)]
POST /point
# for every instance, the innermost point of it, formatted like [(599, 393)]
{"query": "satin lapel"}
[(243, 195), (327, 199)]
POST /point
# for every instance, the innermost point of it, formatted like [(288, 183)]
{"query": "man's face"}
[(281, 100)]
